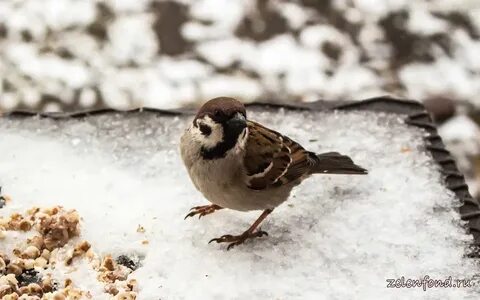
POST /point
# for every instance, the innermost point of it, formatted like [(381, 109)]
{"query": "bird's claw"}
[(189, 215), (202, 210), (235, 240), (198, 207), (222, 239)]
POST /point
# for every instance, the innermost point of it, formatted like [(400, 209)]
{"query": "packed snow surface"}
[(338, 237)]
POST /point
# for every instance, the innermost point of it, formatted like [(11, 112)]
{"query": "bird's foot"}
[(235, 240), (202, 210)]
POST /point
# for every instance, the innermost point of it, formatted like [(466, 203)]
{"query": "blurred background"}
[(66, 55)]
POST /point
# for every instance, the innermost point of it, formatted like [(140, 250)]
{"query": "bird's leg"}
[(235, 240), (202, 210)]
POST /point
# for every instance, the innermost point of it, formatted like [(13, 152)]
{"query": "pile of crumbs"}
[(26, 270)]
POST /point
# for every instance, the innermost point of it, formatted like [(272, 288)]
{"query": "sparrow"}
[(242, 165)]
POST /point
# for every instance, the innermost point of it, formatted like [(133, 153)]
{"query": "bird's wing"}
[(272, 160)]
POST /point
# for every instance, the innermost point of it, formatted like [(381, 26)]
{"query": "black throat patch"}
[(220, 150)]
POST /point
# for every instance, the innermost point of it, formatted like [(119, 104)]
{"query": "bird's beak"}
[(237, 123)]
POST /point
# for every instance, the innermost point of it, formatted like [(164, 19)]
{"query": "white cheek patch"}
[(214, 138)]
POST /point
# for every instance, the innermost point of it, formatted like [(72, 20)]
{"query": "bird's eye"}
[(217, 113), (205, 129)]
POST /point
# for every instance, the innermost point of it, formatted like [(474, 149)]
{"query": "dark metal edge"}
[(86, 113), (384, 103), (416, 115)]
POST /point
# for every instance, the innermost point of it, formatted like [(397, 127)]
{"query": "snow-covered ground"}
[(462, 137), (338, 237), (70, 54)]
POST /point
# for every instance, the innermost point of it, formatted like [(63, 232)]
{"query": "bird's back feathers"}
[(272, 160)]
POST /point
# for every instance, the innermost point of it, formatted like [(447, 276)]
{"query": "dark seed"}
[(28, 276), (130, 262)]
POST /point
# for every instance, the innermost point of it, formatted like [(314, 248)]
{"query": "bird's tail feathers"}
[(335, 163)]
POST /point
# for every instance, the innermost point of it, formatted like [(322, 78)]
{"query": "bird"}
[(239, 164)]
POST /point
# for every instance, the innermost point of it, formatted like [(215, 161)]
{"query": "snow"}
[(303, 81), (443, 77), (378, 9), (421, 21), (282, 54), (87, 98), (56, 15), (242, 87), (37, 32), (462, 138), (221, 53), (460, 128), (128, 6), (183, 71), (315, 36), (225, 14), (132, 40), (295, 14), (338, 237), (467, 53), (362, 82), (371, 39), (9, 101)]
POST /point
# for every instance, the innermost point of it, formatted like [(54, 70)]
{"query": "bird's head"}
[(219, 126)]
